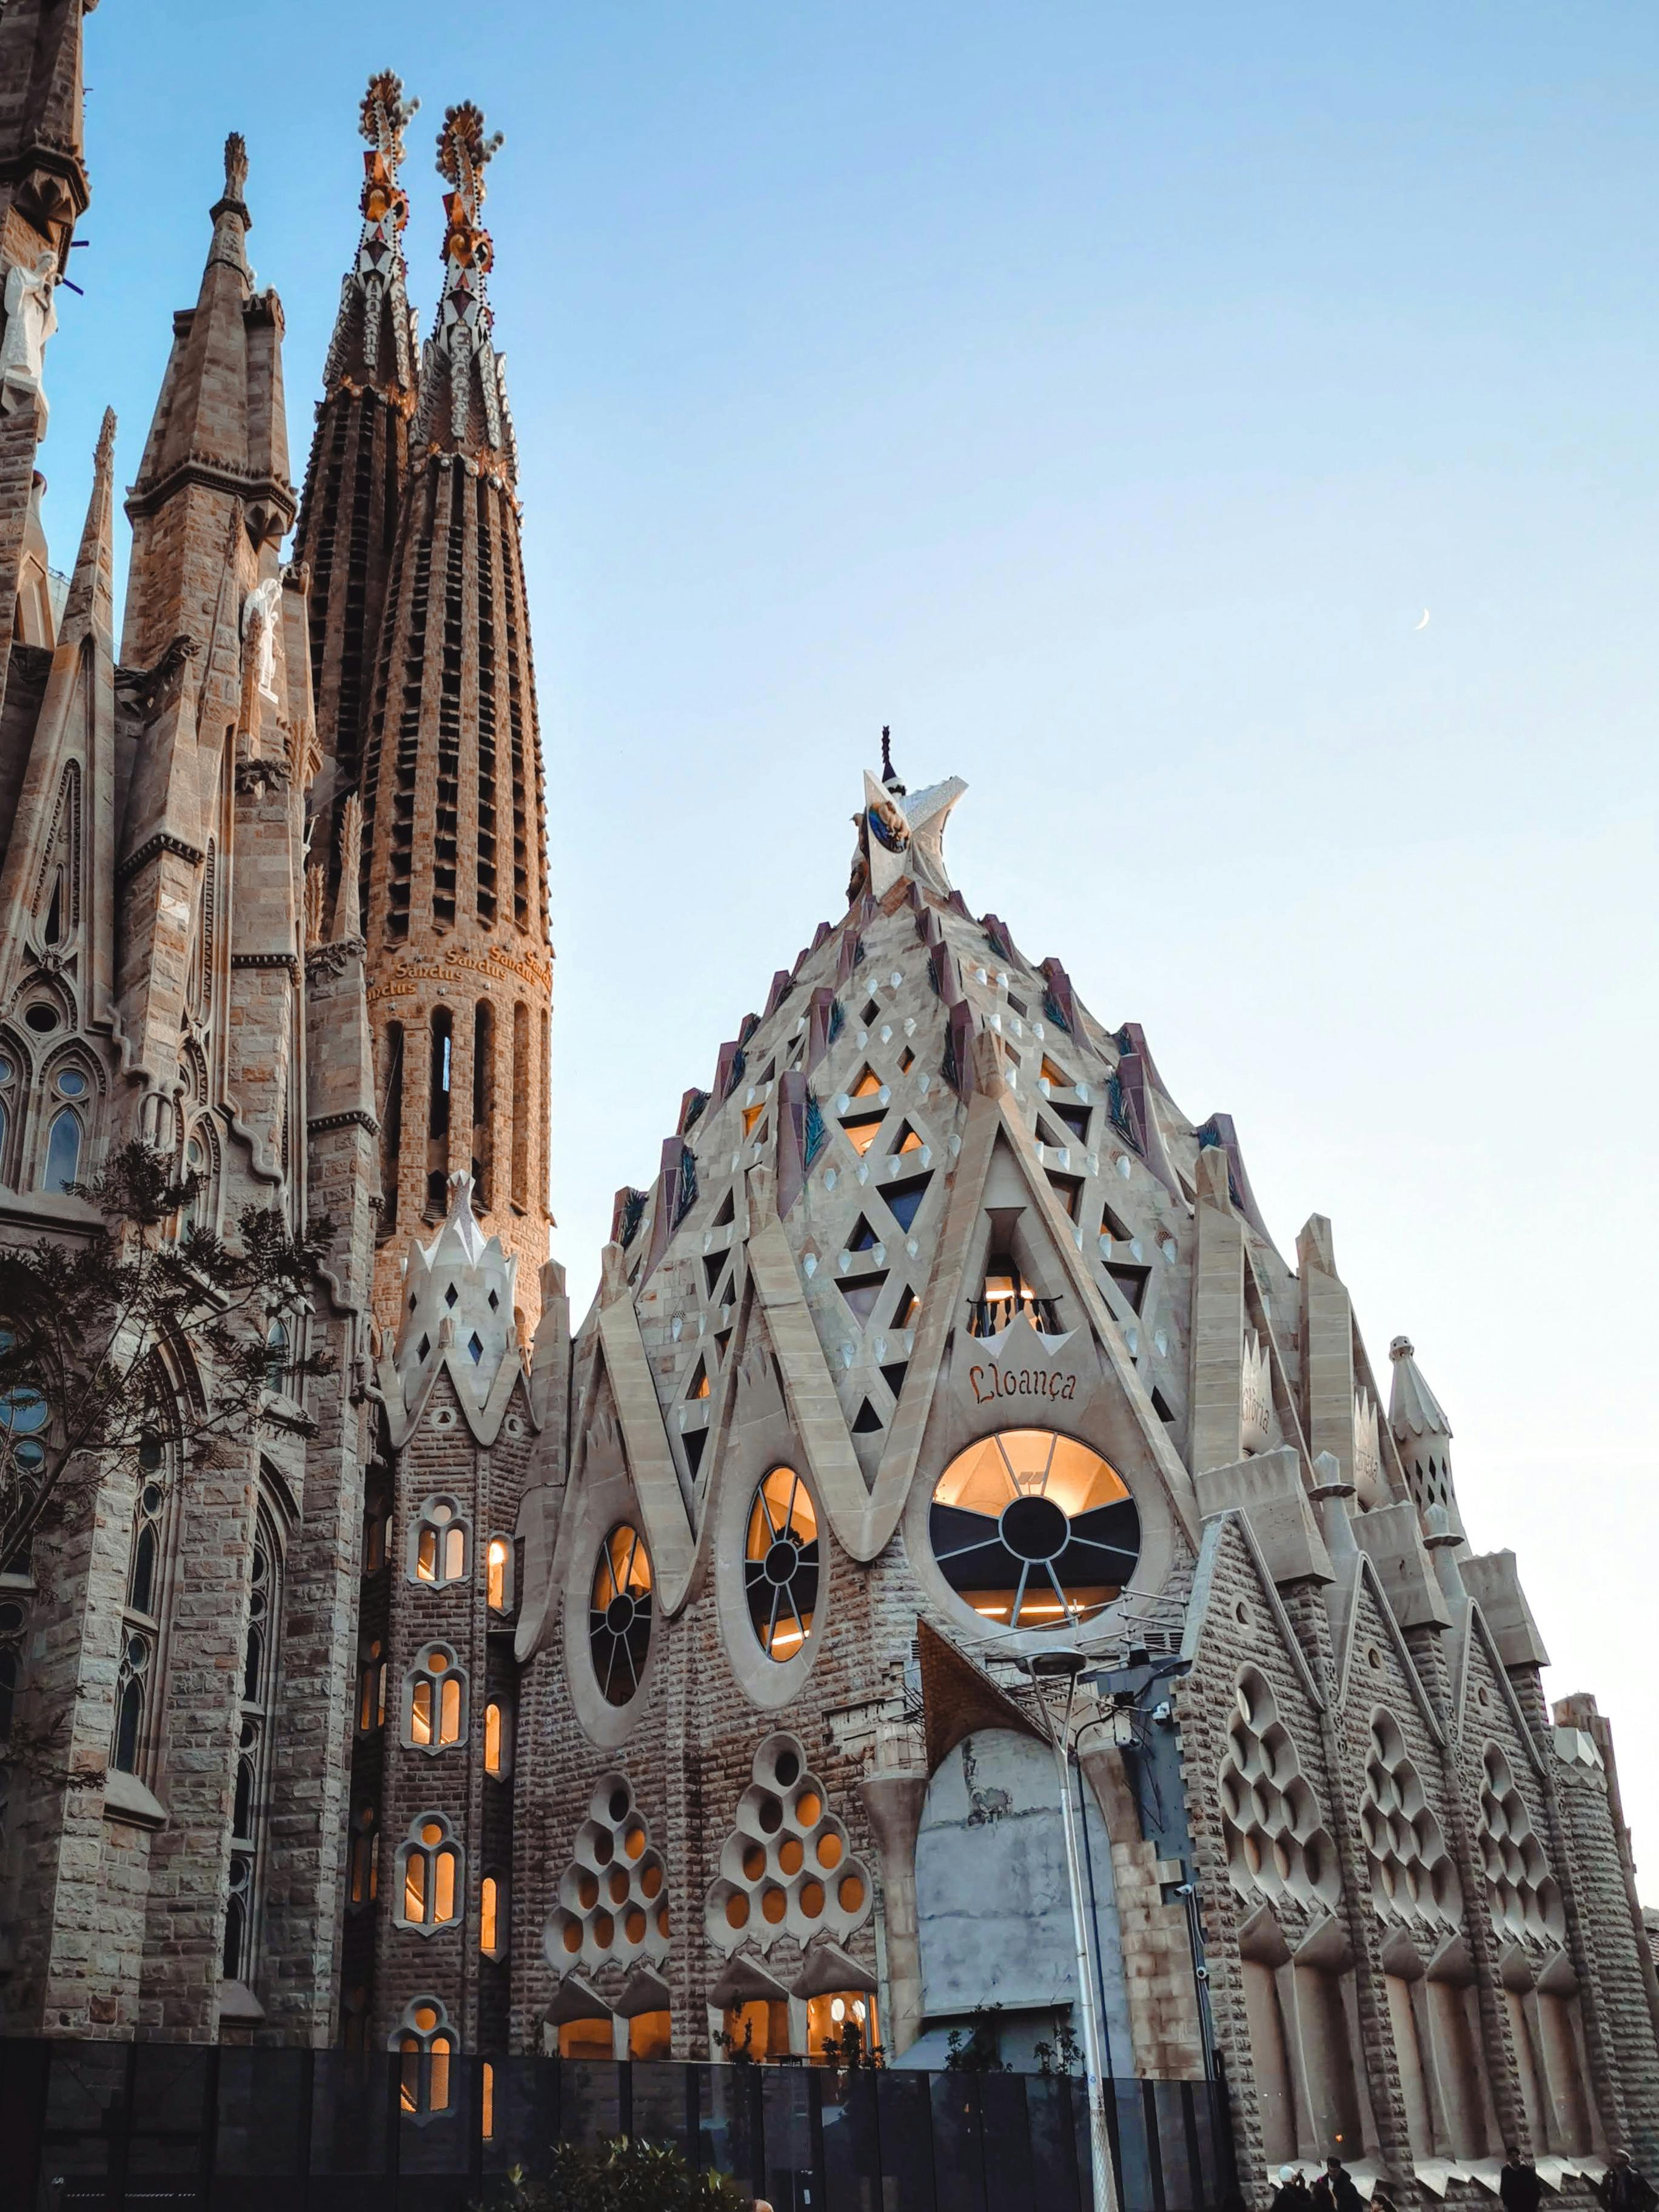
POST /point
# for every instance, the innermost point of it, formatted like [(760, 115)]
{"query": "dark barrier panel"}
[(126, 2127)]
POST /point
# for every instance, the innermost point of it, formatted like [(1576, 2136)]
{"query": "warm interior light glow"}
[(1030, 1529)]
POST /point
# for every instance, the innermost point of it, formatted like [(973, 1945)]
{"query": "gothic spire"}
[(463, 397), (219, 433), (90, 605), (1424, 1435)]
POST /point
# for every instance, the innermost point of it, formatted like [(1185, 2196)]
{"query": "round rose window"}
[(1034, 1529)]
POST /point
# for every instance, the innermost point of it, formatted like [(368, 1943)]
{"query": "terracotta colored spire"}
[(359, 461), (454, 853)]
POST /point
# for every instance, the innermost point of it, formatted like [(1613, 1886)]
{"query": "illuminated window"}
[(371, 1689), (781, 1563), (841, 2029), (435, 1700), (497, 1740), (1006, 1295), (437, 1543), (426, 2042), (757, 2030), (619, 1617), (1034, 1529), (650, 2035), (867, 1086), (492, 1916), (587, 2039), (498, 1573), (487, 2102), (429, 1876), (862, 1129)]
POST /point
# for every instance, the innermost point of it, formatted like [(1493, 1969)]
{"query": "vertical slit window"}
[(442, 1051), (484, 1102), (524, 1106), (391, 1125)]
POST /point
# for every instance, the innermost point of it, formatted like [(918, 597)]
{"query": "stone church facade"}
[(661, 1685)]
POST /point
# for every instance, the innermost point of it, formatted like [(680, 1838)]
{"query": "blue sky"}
[(1098, 395)]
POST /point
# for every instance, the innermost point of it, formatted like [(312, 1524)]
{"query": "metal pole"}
[(1100, 2140)]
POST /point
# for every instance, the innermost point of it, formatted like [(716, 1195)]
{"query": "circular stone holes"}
[(611, 1901)]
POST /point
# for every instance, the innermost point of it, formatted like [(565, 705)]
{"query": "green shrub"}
[(626, 2175)]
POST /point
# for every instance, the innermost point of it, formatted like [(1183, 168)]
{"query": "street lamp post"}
[(1067, 1666)]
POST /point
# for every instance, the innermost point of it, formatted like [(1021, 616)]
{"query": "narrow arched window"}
[(484, 1104), (499, 1574), (430, 1884), (524, 1106), (197, 1210), (63, 1151), (443, 1048), (498, 1741), (391, 1124), (132, 1690), (438, 1542), (426, 2042), (371, 1688), (11, 1663), (276, 1357), (435, 1700), (492, 1916)]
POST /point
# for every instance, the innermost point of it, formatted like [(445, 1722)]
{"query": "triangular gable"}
[(992, 1119), (1473, 1632), (1367, 1582), (1216, 1533), (484, 1421)]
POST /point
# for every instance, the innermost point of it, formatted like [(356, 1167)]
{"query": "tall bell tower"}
[(454, 867)]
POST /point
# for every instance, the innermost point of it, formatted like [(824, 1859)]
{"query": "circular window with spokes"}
[(780, 1564), (1033, 1529), (619, 1616)]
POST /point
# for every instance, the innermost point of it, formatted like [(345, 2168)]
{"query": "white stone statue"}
[(261, 605), (31, 319)]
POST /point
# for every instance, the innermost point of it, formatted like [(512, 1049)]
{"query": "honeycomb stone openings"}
[(1520, 1888), (785, 1868), (1412, 1876), (613, 1900), (1277, 1843)]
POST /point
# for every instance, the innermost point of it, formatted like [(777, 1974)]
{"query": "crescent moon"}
[(1425, 623)]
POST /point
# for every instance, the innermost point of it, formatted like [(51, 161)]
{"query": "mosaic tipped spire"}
[(373, 344), (463, 399)]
